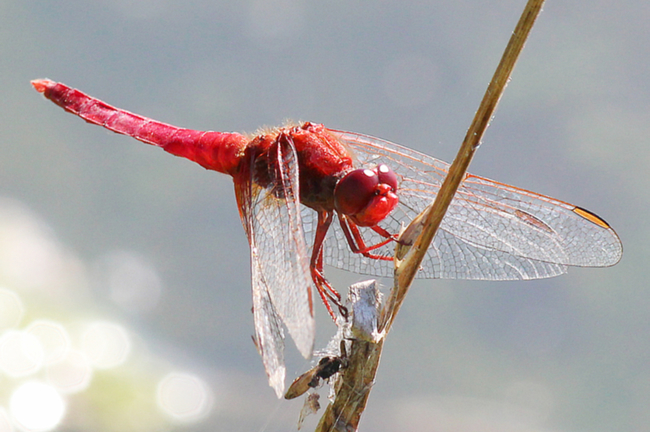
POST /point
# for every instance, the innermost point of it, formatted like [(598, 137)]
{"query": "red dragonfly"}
[(491, 231)]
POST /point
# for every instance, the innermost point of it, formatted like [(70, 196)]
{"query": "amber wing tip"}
[(591, 217), (42, 84)]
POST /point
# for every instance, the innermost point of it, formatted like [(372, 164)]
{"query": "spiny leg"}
[(325, 290), (358, 245)]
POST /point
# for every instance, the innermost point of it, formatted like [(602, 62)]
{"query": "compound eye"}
[(355, 191), (367, 196), (387, 176)]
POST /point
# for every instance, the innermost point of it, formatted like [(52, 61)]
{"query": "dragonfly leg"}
[(329, 290), (328, 294), (358, 245), (325, 290)]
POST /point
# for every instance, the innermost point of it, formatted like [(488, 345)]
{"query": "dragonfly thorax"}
[(322, 160)]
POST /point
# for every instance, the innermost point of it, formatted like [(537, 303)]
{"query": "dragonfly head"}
[(367, 196)]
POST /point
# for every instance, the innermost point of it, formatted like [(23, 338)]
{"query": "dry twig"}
[(354, 385)]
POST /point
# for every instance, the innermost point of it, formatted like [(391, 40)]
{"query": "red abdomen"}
[(218, 151)]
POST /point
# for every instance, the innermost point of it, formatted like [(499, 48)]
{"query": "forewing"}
[(281, 282), (269, 337), (491, 231), (281, 259)]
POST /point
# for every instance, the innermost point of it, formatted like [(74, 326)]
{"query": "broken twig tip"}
[(364, 300)]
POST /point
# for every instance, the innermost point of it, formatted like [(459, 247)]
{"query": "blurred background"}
[(124, 272)]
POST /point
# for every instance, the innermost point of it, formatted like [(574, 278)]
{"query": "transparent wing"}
[(269, 337), (491, 231), (282, 286)]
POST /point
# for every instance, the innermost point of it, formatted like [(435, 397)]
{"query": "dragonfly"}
[(310, 196)]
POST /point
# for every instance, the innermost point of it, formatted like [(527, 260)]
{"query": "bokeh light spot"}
[(11, 309), (53, 338), (184, 397), (72, 374), (37, 407), (21, 354), (5, 421), (131, 281), (107, 345), (30, 257)]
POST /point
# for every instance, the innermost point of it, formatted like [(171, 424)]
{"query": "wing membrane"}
[(282, 286), (491, 231)]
